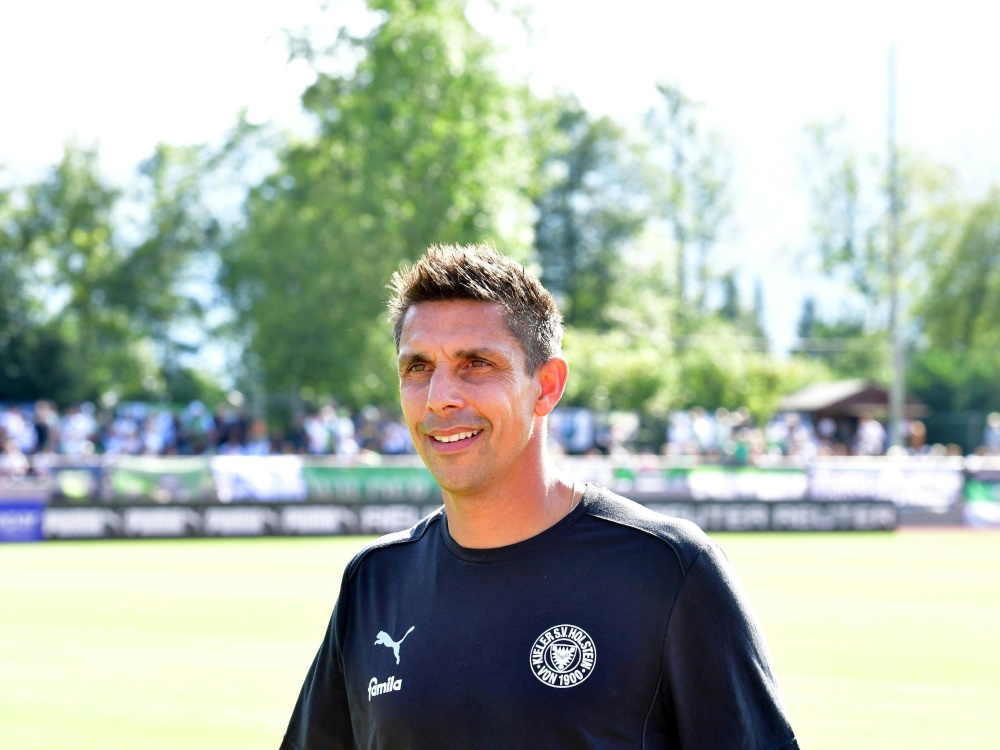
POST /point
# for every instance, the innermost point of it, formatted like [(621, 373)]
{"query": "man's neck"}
[(504, 515)]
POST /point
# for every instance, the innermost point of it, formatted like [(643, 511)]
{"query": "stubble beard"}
[(485, 470)]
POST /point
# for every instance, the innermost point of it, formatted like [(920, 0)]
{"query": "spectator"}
[(917, 438), (18, 429), (869, 438), (196, 425), (703, 430), (123, 437), (294, 438), (343, 430), (78, 431), (723, 427), (46, 423), (991, 434), (800, 441), (395, 438), (258, 442), (235, 442), (159, 433), (317, 432), (827, 429), (13, 462)]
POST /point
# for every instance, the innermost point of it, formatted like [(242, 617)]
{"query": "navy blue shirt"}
[(616, 628)]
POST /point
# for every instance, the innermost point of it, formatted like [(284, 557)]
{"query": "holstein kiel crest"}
[(563, 656)]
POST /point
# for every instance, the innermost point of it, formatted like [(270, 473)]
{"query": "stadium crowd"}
[(732, 437), (134, 428), (152, 430)]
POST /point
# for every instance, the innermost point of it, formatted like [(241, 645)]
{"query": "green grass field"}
[(881, 640)]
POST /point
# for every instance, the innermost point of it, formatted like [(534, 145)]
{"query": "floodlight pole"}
[(895, 325)]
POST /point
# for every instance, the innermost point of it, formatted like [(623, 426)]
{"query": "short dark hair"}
[(481, 274)]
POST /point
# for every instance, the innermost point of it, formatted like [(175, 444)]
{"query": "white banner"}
[(258, 478)]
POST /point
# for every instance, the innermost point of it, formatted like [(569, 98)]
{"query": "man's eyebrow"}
[(482, 353), (405, 360)]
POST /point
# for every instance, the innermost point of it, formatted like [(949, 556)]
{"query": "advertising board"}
[(252, 519), (22, 506), (982, 497)]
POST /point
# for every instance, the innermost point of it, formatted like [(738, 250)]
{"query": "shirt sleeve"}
[(321, 718), (720, 684)]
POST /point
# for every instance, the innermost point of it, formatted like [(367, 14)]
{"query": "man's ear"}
[(552, 379)]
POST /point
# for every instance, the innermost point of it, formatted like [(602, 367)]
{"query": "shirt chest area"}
[(503, 641)]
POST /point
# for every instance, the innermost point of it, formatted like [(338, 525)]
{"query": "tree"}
[(956, 366), (962, 310), (687, 174), (618, 371), (720, 370), (748, 322), (886, 269), (845, 224), (848, 210), (587, 210), (89, 311), (843, 345), (64, 226), (415, 144), (178, 234), (34, 360), (948, 270)]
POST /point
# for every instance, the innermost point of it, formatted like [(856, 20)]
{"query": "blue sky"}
[(129, 74)]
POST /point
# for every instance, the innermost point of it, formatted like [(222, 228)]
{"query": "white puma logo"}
[(386, 640)]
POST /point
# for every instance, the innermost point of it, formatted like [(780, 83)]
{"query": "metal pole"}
[(896, 393)]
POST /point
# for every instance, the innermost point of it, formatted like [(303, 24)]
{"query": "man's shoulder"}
[(412, 535), (685, 538)]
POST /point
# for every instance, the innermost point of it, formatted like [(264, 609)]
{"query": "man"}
[(869, 438), (528, 612)]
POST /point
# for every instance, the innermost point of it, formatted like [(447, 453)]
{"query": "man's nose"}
[(445, 390)]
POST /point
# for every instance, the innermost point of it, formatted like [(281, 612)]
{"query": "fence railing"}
[(139, 497), (929, 483)]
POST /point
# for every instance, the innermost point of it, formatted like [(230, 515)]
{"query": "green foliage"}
[(749, 322), (849, 207), (415, 145), (60, 238), (177, 228), (844, 346), (962, 310), (418, 140), (845, 218), (587, 209), (951, 380), (686, 173), (186, 384), (719, 368), (85, 310), (949, 275), (617, 371), (36, 363), (956, 367), (612, 370), (656, 345)]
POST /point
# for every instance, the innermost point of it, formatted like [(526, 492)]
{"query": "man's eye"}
[(478, 363), (417, 367)]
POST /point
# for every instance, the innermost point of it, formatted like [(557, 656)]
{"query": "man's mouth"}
[(456, 437)]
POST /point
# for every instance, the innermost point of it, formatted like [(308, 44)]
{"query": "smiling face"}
[(473, 410)]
